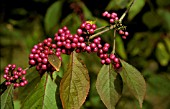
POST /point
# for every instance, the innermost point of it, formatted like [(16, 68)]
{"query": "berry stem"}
[(100, 28), (114, 42), (101, 32), (127, 10)]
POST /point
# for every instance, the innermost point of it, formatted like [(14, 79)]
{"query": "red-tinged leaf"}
[(109, 86), (7, 98), (42, 96), (134, 80), (75, 84), (54, 61)]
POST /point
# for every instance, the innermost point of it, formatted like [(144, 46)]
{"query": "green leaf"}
[(7, 98), (162, 3), (120, 47), (42, 96), (165, 15), (116, 4), (136, 8), (109, 86), (151, 20), (161, 54), (53, 15), (75, 84), (33, 78), (167, 43), (134, 80), (71, 20), (54, 61)]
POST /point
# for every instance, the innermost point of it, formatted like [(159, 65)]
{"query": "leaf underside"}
[(75, 84), (109, 86), (134, 80)]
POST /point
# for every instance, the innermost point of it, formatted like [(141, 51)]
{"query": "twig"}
[(114, 42), (101, 32)]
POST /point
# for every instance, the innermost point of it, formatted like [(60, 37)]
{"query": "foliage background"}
[(25, 23)]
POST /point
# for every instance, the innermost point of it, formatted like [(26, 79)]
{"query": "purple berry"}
[(68, 45), (88, 49), (91, 31), (105, 49), (81, 39), (32, 62), (108, 61), (79, 31), (102, 61), (111, 20), (45, 61), (126, 33), (112, 56), (24, 72), (93, 26), (116, 60), (92, 45), (73, 45), (22, 84), (44, 67)]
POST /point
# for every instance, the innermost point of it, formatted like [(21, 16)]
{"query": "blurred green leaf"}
[(136, 8), (151, 20), (74, 85), (163, 3), (117, 4), (53, 16), (42, 96), (165, 15), (7, 98), (158, 84), (72, 21), (134, 80), (33, 78), (109, 86), (120, 47), (161, 54), (140, 43), (167, 42), (17, 104)]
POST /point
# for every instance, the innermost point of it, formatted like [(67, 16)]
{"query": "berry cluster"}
[(86, 29), (113, 19), (39, 56), (66, 42), (124, 34), (106, 58), (15, 76)]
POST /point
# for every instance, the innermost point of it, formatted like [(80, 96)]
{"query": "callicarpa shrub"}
[(46, 57)]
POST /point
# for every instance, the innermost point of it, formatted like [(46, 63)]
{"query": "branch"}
[(101, 32)]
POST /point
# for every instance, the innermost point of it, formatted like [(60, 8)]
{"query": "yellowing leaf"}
[(54, 61), (74, 85), (134, 80), (109, 86), (162, 55)]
